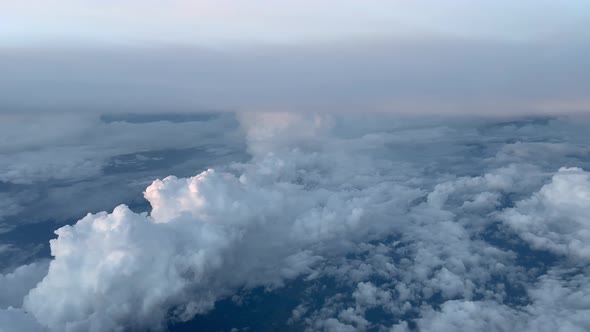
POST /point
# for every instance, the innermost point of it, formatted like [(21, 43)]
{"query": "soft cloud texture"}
[(556, 218), (67, 147), (263, 225), (15, 285), (55, 168), (381, 219), (433, 76), (426, 57)]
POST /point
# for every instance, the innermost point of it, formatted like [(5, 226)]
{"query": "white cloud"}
[(15, 285), (60, 167), (273, 222), (469, 316), (556, 218), (13, 319), (560, 301)]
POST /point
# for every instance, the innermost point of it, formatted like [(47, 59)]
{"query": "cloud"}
[(400, 76), (556, 217), (382, 221), (15, 285), (12, 319), (560, 301), (207, 22), (469, 316), (13, 288), (54, 169), (262, 224), (72, 147), (8, 206)]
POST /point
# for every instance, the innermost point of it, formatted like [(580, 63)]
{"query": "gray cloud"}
[(429, 76), (556, 217), (15, 285)]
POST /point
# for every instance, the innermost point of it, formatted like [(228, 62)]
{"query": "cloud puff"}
[(15, 285), (12, 319), (559, 302), (60, 167), (469, 316), (556, 217)]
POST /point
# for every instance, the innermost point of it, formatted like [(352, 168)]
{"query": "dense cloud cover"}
[(384, 221), (423, 76)]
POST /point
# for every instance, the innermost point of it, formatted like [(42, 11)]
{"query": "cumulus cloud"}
[(16, 284), (556, 217), (55, 168), (386, 237), (469, 316), (273, 222), (12, 319), (558, 303), (13, 288)]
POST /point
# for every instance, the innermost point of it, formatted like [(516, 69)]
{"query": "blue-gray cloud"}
[(433, 76)]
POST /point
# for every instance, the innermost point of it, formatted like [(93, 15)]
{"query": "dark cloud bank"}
[(321, 222)]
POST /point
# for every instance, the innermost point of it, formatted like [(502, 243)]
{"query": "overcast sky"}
[(489, 57)]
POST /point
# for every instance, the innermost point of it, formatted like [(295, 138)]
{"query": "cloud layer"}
[(382, 219), (417, 57), (431, 76)]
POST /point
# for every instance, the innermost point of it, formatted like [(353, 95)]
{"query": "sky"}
[(496, 57), (232, 23), (374, 165)]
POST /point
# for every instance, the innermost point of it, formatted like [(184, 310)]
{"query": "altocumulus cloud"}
[(379, 207)]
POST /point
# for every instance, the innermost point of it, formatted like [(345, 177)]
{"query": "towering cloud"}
[(208, 235)]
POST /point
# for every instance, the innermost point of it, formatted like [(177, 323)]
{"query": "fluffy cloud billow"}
[(556, 217), (380, 219), (262, 226)]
